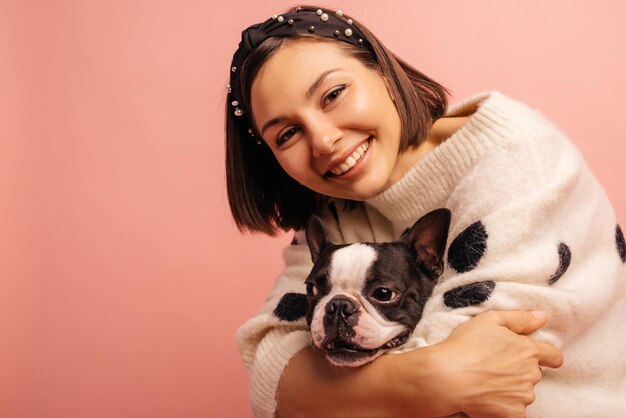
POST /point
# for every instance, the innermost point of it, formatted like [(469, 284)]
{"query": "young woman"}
[(322, 119)]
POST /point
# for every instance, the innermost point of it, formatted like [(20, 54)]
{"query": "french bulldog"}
[(365, 299)]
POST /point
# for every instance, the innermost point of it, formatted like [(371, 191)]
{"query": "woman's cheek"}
[(287, 165), (360, 105)]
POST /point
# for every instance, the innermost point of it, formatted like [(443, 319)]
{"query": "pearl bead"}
[(339, 13), (274, 16), (235, 103), (311, 29), (336, 33), (348, 32), (349, 21), (290, 22), (281, 19), (238, 112), (319, 12), (324, 17), (233, 69)]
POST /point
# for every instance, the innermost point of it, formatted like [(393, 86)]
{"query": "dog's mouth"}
[(397, 341), (345, 353), (347, 348), (350, 356)]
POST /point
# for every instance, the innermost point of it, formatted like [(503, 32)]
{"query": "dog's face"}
[(366, 298)]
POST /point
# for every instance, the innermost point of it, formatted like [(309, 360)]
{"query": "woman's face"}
[(328, 119)]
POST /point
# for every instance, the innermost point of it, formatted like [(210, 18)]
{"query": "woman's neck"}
[(442, 129)]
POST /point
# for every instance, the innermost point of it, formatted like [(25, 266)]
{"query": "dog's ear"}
[(316, 237), (428, 238)]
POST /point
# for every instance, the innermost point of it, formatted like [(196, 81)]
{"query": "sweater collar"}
[(428, 184)]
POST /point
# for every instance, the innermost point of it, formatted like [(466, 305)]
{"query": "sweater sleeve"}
[(533, 229), (269, 340)]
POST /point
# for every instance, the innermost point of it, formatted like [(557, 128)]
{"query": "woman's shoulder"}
[(496, 118), (495, 108)]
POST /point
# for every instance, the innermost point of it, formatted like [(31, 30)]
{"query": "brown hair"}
[(262, 197)]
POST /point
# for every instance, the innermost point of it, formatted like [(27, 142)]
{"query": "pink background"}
[(122, 277)]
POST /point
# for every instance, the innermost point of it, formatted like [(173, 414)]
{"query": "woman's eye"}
[(332, 96), (311, 290), (383, 294), (286, 136)]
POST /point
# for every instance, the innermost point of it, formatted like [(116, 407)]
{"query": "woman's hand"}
[(489, 370)]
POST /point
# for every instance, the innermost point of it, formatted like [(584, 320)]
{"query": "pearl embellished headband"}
[(329, 25)]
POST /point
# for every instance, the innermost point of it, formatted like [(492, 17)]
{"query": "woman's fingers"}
[(549, 355), (496, 362), (525, 322), (520, 322)]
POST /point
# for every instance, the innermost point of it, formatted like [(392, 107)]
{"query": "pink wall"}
[(122, 278)]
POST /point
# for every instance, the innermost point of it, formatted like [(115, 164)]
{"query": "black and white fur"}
[(366, 298)]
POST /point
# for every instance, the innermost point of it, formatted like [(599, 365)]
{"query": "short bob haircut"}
[(262, 197)]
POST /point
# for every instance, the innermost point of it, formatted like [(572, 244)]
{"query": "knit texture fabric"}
[(531, 229)]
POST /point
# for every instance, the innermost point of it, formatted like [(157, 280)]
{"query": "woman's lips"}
[(351, 161)]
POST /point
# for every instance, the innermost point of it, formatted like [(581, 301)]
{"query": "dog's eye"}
[(311, 290), (383, 294)]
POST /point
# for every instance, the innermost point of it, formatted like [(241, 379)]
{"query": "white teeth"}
[(351, 160)]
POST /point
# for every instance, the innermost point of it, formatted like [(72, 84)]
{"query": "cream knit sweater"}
[(531, 229)]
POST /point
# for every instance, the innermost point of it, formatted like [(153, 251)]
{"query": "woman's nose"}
[(323, 139)]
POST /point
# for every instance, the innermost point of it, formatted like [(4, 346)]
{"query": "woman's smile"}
[(351, 165), (334, 128)]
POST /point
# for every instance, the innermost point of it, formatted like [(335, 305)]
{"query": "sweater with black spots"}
[(531, 229)]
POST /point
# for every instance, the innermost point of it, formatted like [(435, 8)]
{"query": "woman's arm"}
[(268, 341), (484, 368)]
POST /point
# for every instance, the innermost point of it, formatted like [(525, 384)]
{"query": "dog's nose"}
[(341, 305)]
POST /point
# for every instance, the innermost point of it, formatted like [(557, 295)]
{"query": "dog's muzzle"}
[(341, 316)]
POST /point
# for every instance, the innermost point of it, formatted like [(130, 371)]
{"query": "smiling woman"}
[(376, 84), (346, 108), (324, 120)]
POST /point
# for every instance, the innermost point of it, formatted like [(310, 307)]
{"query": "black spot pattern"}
[(621, 244), (468, 248), (291, 307), (469, 294), (565, 257)]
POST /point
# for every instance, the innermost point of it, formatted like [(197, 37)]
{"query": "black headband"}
[(329, 25)]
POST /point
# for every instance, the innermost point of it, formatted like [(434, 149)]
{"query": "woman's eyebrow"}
[(309, 93)]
